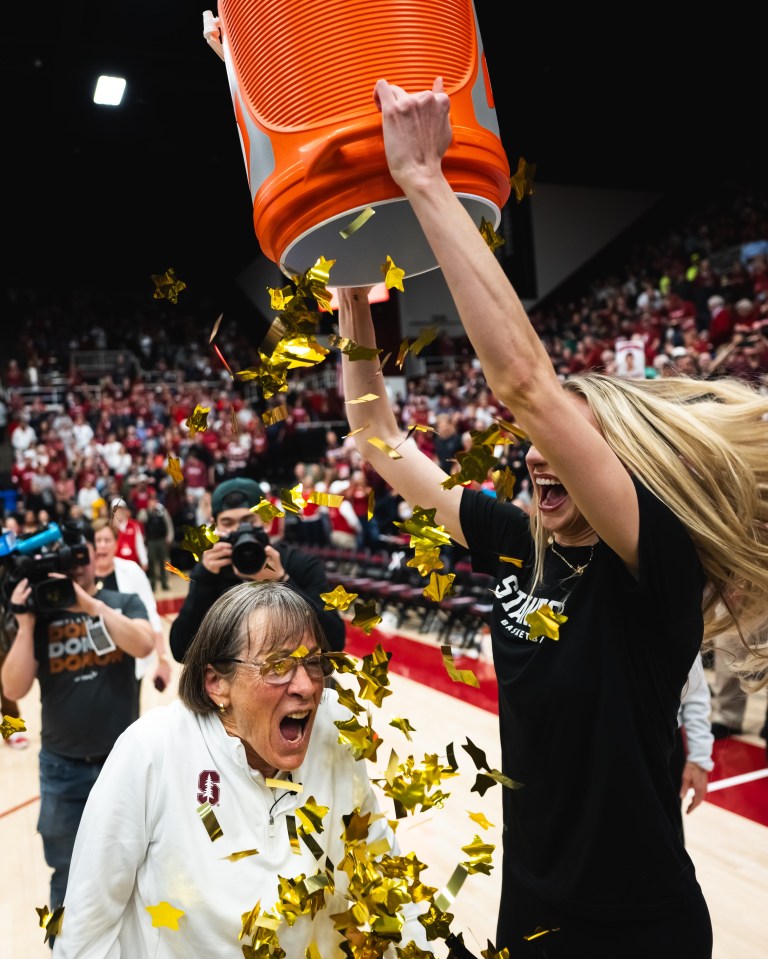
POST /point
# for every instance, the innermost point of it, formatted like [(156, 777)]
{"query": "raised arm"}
[(417, 132), (415, 476)]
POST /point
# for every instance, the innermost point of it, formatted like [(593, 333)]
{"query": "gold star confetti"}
[(360, 220), (11, 725), (426, 557), (403, 725), (338, 598), (422, 525), (479, 853), (216, 326), (439, 586), (436, 923), (522, 180), (480, 819), (168, 286), (366, 616), (491, 237), (393, 276), (198, 421), (347, 698), (351, 349), (514, 430), (176, 572), (545, 622), (267, 511), (458, 675), (165, 915), (237, 856), (173, 469), (476, 754), (197, 539), (311, 815), (276, 415)]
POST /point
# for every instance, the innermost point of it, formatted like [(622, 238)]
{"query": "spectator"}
[(159, 535), (231, 506), (130, 536), (88, 694)]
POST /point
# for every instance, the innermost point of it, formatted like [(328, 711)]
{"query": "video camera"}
[(35, 557), (248, 547)]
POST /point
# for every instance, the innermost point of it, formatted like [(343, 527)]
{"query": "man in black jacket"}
[(231, 504)]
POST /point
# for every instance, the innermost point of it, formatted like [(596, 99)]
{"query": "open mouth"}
[(293, 726), (551, 494)]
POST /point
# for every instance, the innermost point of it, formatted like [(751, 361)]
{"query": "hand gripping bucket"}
[(302, 77)]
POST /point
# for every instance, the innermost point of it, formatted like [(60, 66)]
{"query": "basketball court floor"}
[(727, 836)]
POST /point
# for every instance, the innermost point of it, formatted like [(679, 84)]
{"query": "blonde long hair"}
[(702, 448)]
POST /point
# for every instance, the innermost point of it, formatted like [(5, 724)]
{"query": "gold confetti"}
[(522, 180), (362, 740), (359, 430), (539, 932), (325, 499), (447, 895), (439, 586), (164, 914), (503, 483), (491, 237), (514, 430), (403, 725), (465, 676), (479, 854), (366, 616), (338, 599), (393, 276), (405, 348), (480, 819), (167, 286), (11, 725), (237, 856), (216, 326), (370, 505), (211, 823), (513, 560), (50, 921), (490, 953), (197, 539), (283, 784), (226, 365), (426, 557), (198, 421), (351, 349), (545, 622), (384, 447), (276, 415), (360, 220), (233, 419), (311, 815), (292, 500), (424, 338), (362, 399), (422, 525), (267, 511), (173, 469), (176, 572), (280, 298)]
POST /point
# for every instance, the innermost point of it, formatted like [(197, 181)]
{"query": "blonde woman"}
[(649, 500)]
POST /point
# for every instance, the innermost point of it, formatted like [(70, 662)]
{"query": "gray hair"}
[(225, 633)]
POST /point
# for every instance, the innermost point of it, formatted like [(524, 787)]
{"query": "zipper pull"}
[(271, 830)]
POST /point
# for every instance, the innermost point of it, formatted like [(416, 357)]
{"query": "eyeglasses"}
[(278, 672)]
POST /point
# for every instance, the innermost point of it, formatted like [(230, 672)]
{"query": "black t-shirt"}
[(87, 700), (587, 721)]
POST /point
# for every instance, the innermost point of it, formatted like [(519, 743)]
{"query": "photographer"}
[(243, 540), (80, 643)]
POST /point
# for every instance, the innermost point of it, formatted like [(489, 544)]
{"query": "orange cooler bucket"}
[(302, 79)]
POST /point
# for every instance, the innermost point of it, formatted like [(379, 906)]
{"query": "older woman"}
[(197, 826)]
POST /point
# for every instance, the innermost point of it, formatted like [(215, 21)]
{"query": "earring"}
[(222, 708), (550, 539)]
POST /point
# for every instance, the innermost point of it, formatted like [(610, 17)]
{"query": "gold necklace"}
[(577, 570)]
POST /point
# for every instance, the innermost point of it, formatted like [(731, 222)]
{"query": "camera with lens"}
[(35, 557), (248, 548)]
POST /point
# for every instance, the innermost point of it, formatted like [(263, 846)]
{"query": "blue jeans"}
[(64, 788)]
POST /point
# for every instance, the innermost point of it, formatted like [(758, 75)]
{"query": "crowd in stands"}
[(695, 299)]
